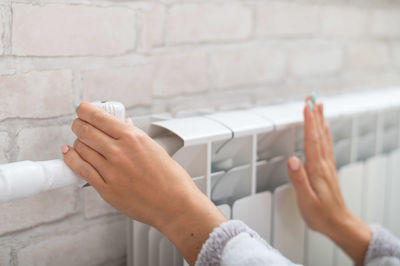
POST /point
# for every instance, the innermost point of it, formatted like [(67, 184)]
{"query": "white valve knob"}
[(116, 109)]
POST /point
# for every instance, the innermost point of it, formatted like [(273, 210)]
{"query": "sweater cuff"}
[(383, 244), (212, 249)]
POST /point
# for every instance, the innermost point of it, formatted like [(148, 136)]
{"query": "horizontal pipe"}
[(28, 178)]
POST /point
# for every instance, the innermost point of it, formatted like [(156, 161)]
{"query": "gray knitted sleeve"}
[(211, 251), (384, 247)]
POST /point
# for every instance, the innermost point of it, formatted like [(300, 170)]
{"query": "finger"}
[(82, 168), (329, 143), (92, 137), (91, 156), (320, 124), (129, 121), (100, 119), (312, 143), (324, 136), (300, 179)]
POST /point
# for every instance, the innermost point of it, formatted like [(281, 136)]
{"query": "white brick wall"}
[(5, 256), (369, 55), (199, 22), (397, 55), (94, 205), (4, 145), (386, 23), (285, 19), (180, 73), (161, 56), (95, 245), (344, 22), (72, 30), (247, 66), (36, 94), (308, 59), (42, 208), (129, 85), (41, 143)]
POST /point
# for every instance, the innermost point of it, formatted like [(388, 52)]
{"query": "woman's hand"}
[(317, 187), (135, 175)]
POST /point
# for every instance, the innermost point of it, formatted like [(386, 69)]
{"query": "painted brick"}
[(43, 143), (95, 245), (41, 208), (201, 22), (385, 23), (1, 33), (36, 94), (5, 256), (71, 30), (180, 74), (95, 206), (286, 19), (154, 25), (343, 22), (315, 59), (371, 55), (246, 66), (4, 141), (130, 85), (397, 55)]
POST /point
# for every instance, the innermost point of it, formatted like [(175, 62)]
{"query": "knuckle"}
[(136, 137), (115, 153), (83, 130), (87, 173), (98, 116), (79, 147)]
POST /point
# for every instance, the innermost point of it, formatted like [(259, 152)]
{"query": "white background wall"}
[(161, 56)]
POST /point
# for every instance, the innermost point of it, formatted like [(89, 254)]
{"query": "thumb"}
[(299, 178)]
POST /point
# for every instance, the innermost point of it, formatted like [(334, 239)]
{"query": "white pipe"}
[(27, 178)]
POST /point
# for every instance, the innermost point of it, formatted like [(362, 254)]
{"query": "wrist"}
[(352, 235), (192, 225)]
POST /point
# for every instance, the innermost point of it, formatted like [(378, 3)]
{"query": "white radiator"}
[(238, 159)]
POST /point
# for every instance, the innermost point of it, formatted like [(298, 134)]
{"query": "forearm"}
[(191, 229)]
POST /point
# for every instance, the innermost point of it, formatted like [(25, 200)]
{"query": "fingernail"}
[(314, 96), (294, 163), (310, 105), (64, 149), (76, 107)]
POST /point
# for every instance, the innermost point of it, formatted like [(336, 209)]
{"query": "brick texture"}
[(5, 256), (43, 143), (385, 23), (131, 85), (36, 94), (286, 19), (315, 59), (4, 140), (180, 73), (94, 205), (188, 23), (368, 56), (91, 246), (342, 22), (71, 30), (249, 66), (42, 208)]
